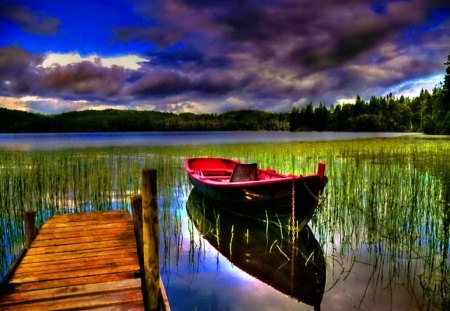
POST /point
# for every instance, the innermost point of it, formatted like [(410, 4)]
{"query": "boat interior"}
[(233, 172)]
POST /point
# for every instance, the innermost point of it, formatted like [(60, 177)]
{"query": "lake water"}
[(84, 140), (380, 236)]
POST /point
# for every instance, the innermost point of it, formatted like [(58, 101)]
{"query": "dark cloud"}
[(18, 71), (30, 21), (162, 83), (162, 37), (21, 74), (84, 78), (176, 57), (157, 83), (245, 22), (14, 60), (187, 57), (218, 82)]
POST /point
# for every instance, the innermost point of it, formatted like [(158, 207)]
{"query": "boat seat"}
[(244, 172)]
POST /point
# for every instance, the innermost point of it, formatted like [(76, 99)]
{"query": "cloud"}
[(22, 73), (62, 59), (30, 21), (219, 82), (222, 55), (14, 60), (161, 38), (295, 49), (159, 83), (82, 79), (177, 57), (18, 71), (412, 88), (13, 103), (188, 106), (40, 104)]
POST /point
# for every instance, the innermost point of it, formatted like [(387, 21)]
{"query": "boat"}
[(266, 249), (245, 188)]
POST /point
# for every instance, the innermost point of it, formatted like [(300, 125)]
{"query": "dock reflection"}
[(264, 248)]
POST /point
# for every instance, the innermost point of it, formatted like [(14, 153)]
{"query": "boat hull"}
[(281, 196), (278, 194)]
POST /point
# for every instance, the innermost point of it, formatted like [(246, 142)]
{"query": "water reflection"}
[(264, 248)]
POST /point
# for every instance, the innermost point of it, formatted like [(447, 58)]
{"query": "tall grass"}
[(386, 204)]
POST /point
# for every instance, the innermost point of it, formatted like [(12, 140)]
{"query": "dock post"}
[(30, 227), (150, 239), (136, 208)]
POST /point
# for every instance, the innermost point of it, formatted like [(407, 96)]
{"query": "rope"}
[(317, 198)]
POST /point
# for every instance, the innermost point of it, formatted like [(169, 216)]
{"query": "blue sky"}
[(214, 56)]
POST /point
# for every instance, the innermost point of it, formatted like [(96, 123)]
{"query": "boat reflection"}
[(264, 248)]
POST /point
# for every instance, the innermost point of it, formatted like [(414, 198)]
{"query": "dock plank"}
[(68, 291), (80, 246), (71, 263), (113, 251), (80, 233), (127, 235), (73, 266), (82, 302), (88, 216), (73, 281), (79, 261)]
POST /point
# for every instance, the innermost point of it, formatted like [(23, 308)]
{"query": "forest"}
[(428, 113), (110, 120), (424, 113)]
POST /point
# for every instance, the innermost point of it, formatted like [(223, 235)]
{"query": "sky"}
[(207, 56)]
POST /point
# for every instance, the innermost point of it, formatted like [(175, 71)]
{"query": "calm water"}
[(381, 234), (83, 140)]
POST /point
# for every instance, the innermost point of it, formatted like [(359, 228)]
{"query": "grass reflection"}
[(295, 267)]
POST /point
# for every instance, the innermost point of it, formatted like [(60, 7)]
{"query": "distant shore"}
[(390, 116)]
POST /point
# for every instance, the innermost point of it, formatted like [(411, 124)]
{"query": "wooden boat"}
[(264, 248), (247, 188)]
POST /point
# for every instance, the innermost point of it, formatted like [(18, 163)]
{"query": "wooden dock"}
[(79, 261)]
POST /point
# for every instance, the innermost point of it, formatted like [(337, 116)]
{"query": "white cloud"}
[(412, 88), (301, 102), (235, 103), (90, 106), (343, 101), (126, 61), (187, 106), (53, 105), (13, 103)]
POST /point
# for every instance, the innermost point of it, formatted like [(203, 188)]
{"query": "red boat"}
[(247, 188)]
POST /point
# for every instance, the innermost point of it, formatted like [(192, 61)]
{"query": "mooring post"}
[(150, 239), (136, 208), (30, 227)]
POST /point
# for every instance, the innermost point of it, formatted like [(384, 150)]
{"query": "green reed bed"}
[(386, 205)]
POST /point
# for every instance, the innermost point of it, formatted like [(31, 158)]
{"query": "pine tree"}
[(445, 104)]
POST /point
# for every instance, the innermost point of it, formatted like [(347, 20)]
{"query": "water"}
[(84, 140), (382, 225)]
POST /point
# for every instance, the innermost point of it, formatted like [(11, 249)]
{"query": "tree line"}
[(110, 120), (428, 113), (424, 113), (380, 114)]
